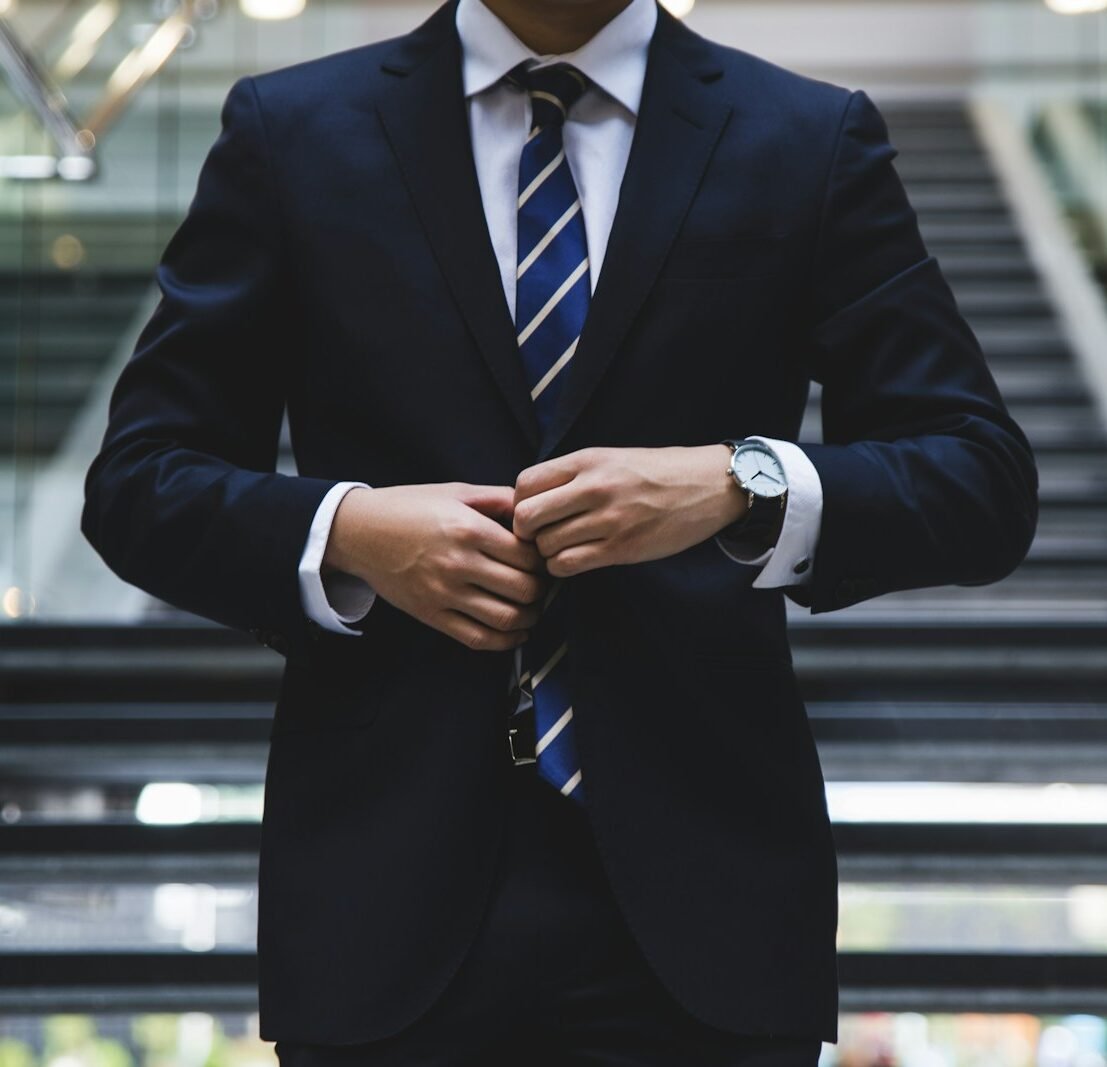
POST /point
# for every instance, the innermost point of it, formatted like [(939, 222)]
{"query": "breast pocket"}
[(752, 256)]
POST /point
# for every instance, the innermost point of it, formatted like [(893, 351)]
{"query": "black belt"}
[(521, 738)]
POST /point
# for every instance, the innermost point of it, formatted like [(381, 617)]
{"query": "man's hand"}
[(602, 506), (442, 554)]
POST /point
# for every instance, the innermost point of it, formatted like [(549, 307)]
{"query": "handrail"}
[(1082, 156), (31, 84), (141, 64), (76, 142), (1065, 274)]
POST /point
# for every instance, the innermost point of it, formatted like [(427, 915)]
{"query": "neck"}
[(555, 27)]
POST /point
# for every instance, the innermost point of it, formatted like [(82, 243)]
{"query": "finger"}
[(578, 530), (518, 586), (502, 545), (578, 559), (547, 507), (495, 612), (479, 638), (495, 501), (550, 474)]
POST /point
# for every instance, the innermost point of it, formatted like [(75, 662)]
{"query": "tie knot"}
[(552, 89)]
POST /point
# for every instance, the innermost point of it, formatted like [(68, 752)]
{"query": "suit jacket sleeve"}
[(183, 499), (926, 478)]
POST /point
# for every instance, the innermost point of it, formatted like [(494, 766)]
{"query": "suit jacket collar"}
[(426, 122)]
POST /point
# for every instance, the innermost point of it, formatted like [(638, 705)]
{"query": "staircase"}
[(1004, 685), (69, 288)]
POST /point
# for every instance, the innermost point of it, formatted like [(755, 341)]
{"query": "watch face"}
[(759, 471)]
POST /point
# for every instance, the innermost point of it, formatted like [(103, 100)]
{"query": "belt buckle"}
[(520, 738)]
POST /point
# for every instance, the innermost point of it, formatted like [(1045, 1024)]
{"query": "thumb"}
[(495, 501)]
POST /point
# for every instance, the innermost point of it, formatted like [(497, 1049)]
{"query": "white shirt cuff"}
[(792, 559), (335, 598)]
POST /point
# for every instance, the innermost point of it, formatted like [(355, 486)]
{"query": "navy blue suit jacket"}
[(336, 259)]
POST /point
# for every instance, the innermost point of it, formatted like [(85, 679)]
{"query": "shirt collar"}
[(614, 59)]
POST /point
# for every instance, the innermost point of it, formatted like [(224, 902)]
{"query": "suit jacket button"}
[(802, 566)]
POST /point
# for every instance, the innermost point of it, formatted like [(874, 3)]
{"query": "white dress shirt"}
[(597, 137)]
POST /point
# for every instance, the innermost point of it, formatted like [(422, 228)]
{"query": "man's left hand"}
[(603, 506)]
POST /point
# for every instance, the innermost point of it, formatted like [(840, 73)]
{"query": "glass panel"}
[(77, 257)]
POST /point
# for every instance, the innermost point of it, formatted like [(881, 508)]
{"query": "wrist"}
[(726, 504), (347, 531)]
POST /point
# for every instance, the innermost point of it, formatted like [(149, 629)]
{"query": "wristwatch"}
[(760, 475)]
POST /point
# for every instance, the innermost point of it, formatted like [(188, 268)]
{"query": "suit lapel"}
[(679, 123), (427, 124)]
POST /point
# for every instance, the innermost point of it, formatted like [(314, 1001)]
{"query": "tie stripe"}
[(542, 245), (550, 664), (552, 294), (551, 734), (542, 175), (553, 301), (554, 371), (538, 94)]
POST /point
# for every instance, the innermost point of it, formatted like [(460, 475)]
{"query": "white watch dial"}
[(759, 471)]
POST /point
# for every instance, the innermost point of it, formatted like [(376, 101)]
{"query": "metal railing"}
[(75, 140)]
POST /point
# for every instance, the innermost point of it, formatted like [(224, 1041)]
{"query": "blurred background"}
[(963, 731)]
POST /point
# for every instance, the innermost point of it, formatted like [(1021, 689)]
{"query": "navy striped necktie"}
[(552, 293)]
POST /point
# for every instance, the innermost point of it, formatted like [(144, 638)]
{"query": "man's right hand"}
[(442, 554)]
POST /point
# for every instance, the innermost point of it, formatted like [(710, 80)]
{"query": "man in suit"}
[(543, 285)]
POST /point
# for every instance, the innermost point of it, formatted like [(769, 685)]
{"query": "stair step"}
[(946, 232), (926, 140), (1068, 550), (1060, 521), (985, 264), (1076, 481), (86, 345), (77, 285), (926, 116), (165, 722), (39, 312), (1016, 299), (45, 390), (952, 198), (1050, 381), (1016, 340), (924, 169), (36, 433), (1074, 426)]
